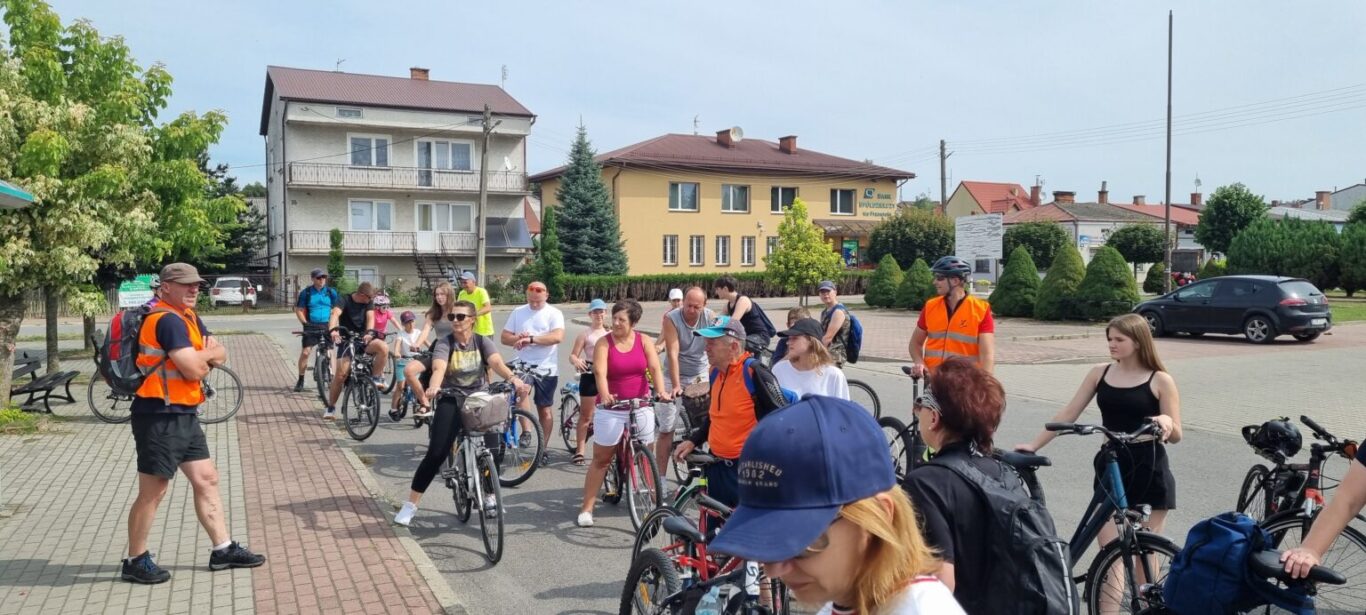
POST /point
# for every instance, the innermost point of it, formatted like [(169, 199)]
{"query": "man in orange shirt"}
[(732, 413)]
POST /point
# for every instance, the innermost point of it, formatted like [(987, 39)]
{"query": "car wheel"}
[(1308, 337), (1155, 325), (1259, 330)]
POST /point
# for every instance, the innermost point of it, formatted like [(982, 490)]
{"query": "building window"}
[(842, 202), (671, 250), (349, 113), (362, 274), (695, 250), (372, 215), (682, 196), (369, 151), (723, 249), (445, 155), (780, 198), (445, 217), (982, 265), (747, 251), (771, 245), (735, 199)]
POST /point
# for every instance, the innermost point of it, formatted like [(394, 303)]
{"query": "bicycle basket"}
[(484, 412)]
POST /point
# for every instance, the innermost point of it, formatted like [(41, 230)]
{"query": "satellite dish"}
[(736, 134)]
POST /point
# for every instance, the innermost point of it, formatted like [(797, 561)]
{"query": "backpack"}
[(769, 329), (853, 343), (1032, 571), (119, 354), (1210, 575), (763, 387)]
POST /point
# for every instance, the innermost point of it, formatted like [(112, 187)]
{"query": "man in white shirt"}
[(535, 330)]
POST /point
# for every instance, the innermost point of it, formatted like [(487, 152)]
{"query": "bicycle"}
[(469, 473), (322, 367), (222, 388), (632, 466), (863, 394), (1263, 565), (570, 412), (907, 447), (523, 445), (690, 497), (360, 403)]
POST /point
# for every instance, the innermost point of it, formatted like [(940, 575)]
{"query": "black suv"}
[(1259, 307)]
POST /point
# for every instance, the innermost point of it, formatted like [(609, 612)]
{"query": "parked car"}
[(1259, 307), (229, 290)]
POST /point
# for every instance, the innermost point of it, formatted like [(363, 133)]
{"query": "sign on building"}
[(978, 239), (136, 291)]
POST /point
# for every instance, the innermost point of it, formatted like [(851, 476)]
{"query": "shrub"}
[(1108, 288), (336, 257), (1290, 247), (1352, 259), (917, 287), (883, 285), (911, 234), (655, 287), (1060, 285), (1153, 282), (1018, 288), (1213, 268), (1043, 241)]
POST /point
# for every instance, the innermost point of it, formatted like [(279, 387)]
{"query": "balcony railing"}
[(347, 176), (353, 242), (459, 243)]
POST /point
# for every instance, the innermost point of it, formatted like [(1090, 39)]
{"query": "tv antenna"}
[(337, 68), (696, 121), (504, 82)]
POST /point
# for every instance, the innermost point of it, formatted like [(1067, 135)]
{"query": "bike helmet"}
[(407, 316), (952, 266), (1277, 440), (381, 300)]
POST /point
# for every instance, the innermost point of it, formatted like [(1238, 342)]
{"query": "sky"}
[(1270, 94)]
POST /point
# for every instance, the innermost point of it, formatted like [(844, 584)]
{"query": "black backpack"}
[(1031, 572), (769, 330), (119, 354), (763, 387)]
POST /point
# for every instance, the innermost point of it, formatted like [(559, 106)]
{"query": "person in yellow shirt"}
[(471, 291)]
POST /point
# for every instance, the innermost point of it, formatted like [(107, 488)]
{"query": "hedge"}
[(585, 288)]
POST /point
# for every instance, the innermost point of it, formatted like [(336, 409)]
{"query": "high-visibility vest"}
[(956, 337), (164, 380)]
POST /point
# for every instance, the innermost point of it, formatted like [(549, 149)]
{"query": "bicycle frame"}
[(1108, 499)]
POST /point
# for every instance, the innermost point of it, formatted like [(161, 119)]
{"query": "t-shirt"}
[(988, 324), (407, 341), (924, 595), (827, 380), (382, 319), (353, 314), (172, 334), (483, 325), (318, 304), (537, 322), (466, 364)]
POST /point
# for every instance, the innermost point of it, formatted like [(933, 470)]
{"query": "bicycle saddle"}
[(1025, 461), (683, 528), (709, 503), (1267, 565), (700, 459)]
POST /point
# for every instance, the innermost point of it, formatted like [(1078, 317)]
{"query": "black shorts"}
[(1146, 474), (313, 335), (588, 385), (544, 391), (166, 440)]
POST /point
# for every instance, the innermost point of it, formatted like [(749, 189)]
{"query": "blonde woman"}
[(808, 367), (582, 358), (820, 509), (436, 326), (793, 315)]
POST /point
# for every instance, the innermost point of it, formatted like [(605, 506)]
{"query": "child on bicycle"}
[(382, 313), (403, 350)]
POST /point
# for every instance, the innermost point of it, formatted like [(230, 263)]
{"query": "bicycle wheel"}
[(652, 579), (322, 374), (360, 408), (645, 492), (105, 404), (458, 483), (864, 395), (491, 519), (223, 394), (611, 483), (894, 431), (651, 534), (390, 376), (1347, 555), (520, 448), (1113, 583), (681, 433), (1252, 500), (569, 422)]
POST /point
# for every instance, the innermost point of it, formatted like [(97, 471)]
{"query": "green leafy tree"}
[(1292, 247), (549, 260), (911, 234), (924, 203), (802, 258), (1059, 287), (1042, 240), (254, 190), (1108, 288), (1018, 289), (1229, 210), (917, 287), (1352, 259), (336, 256), (1139, 244), (1213, 268), (886, 280), (592, 233), (1156, 280)]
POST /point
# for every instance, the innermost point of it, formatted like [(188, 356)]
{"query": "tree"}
[(1042, 240), (245, 240), (924, 203), (912, 234), (917, 287), (1229, 210), (1352, 259), (883, 285), (254, 190), (1156, 280), (1108, 288), (592, 233), (336, 256), (1292, 247), (802, 258), (1139, 244), (549, 260), (1213, 268), (1018, 289), (1057, 291)]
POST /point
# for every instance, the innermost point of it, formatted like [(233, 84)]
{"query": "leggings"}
[(444, 429)]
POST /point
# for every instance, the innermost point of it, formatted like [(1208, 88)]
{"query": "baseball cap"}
[(536, 286), (468, 275), (597, 304), (825, 285), (318, 273), (798, 468), (181, 273), (724, 327), (676, 293), (407, 316), (805, 326)]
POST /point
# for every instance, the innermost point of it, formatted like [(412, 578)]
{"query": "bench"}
[(44, 389)]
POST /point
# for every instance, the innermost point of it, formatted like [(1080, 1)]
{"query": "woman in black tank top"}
[(1132, 390)]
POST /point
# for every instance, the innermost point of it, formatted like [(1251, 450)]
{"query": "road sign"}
[(978, 237), (136, 291)]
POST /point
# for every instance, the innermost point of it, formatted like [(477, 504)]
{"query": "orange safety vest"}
[(956, 337), (164, 381)]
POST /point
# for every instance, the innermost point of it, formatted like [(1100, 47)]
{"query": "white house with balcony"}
[(394, 164)]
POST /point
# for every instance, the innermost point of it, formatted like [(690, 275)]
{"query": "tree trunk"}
[(87, 332), (11, 315), (51, 304)]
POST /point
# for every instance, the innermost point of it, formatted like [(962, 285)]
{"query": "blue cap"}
[(826, 285), (724, 327), (799, 466), (597, 304), (468, 275)]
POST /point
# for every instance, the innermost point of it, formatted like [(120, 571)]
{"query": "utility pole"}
[(943, 176), (1167, 218), (482, 245)]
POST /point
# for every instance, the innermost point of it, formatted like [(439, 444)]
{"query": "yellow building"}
[(697, 203)]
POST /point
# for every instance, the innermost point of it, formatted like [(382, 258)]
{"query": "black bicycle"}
[(222, 388), (904, 441), (360, 403)]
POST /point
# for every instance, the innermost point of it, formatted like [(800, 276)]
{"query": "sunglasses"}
[(940, 278), (458, 317)]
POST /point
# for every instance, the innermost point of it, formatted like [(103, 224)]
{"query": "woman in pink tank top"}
[(621, 360)]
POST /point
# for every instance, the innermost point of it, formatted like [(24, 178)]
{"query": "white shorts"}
[(666, 416), (608, 425)]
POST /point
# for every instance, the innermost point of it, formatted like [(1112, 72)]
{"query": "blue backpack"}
[(767, 394), (1210, 575)]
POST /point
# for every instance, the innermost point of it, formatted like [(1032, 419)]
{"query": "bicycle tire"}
[(646, 493), (491, 529), (651, 529), (227, 395), (681, 433), (517, 463), (1346, 555), (459, 484), (1252, 497), (322, 375), (864, 395), (569, 423), (892, 430), (653, 578), (105, 404), (390, 376), (1149, 545), (611, 483), (360, 408)]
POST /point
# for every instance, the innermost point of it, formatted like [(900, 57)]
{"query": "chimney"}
[(1034, 195), (418, 74), (1064, 196), (1103, 197), (788, 144), (723, 137), (1140, 199), (1323, 200), (1197, 199)]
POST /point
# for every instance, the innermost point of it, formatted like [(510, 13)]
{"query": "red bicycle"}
[(632, 471)]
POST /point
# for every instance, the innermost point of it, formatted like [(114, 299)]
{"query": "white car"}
[(228, 291)]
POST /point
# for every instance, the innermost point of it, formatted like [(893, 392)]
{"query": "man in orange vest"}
[(954, 324), (176, 352)]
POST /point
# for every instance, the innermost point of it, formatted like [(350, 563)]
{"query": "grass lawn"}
[(1347, 310)]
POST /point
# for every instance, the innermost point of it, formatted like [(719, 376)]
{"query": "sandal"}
[(578, 460)]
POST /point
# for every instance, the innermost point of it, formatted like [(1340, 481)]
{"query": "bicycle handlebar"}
[(1086, 430), (1267, 565), (634, 403), (1319, 432)]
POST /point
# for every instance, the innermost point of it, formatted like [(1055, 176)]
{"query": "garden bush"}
[(884, 283), (1018, 288), (1060, 285)]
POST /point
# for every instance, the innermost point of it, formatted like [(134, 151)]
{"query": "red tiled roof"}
[(1181, 215), (699, 152), (380, 91), (996, 197), (1043, 213)]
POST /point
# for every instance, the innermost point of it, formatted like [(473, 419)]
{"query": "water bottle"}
[(751, 578), (711, 603)]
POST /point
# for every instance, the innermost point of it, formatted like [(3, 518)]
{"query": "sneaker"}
[(490, 506), (525, 441), (423, 413), (299, 385), (235, 556), (394, 415), (405, 514), (379, 381), (330, 415), (142, 569), (585, 519), (545, 460)]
